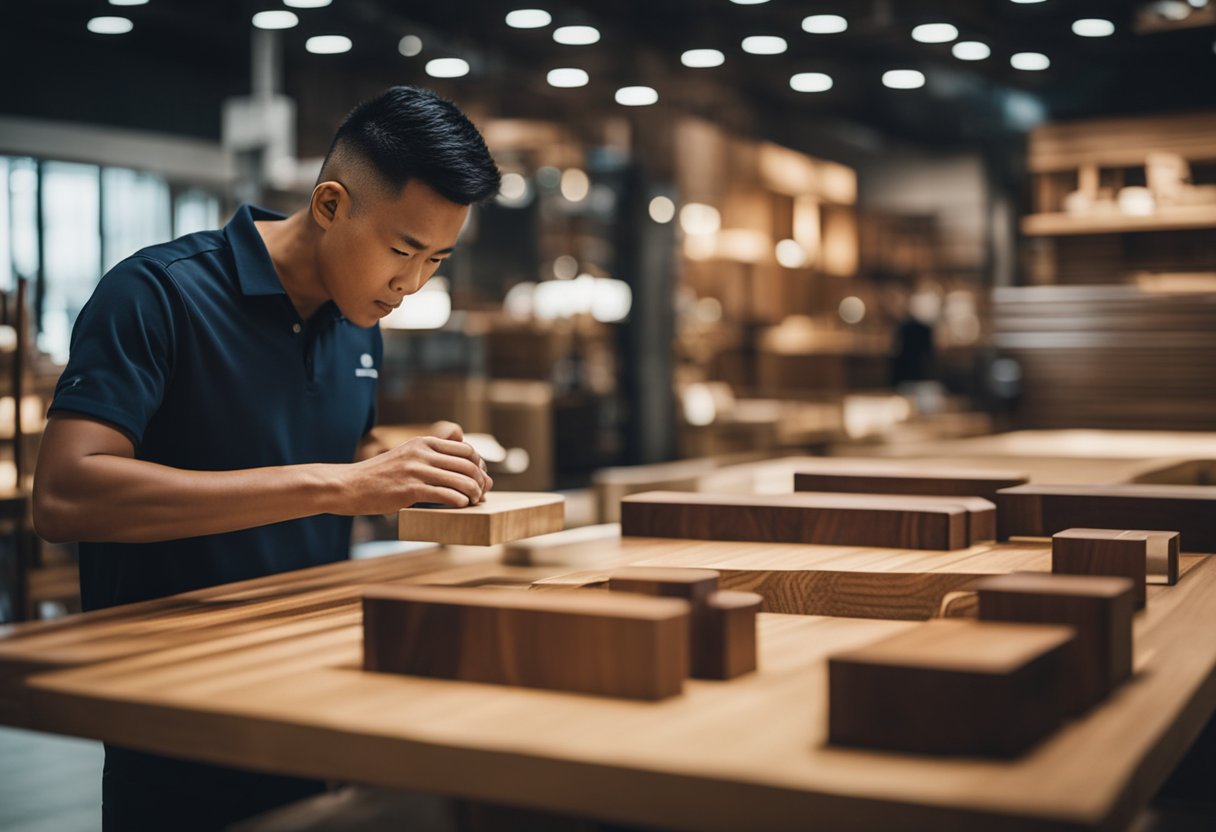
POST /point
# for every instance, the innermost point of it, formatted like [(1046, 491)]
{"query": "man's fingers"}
[(448, 430)]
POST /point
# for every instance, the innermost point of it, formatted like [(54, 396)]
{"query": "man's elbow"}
[(53, 517)]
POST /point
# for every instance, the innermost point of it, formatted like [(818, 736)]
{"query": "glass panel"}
[(195, 210), (22, 184), (135, 213), (70, 212), (6, 231)]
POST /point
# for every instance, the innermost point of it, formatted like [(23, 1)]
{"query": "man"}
[(213, 422)]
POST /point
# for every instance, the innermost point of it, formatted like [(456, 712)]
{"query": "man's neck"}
[(291, 244)]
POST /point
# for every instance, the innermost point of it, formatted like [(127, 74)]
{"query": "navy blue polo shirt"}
[(194, 350)]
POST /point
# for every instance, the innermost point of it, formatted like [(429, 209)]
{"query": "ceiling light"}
[(447, 68), (128, 2), (748, 2), (567, 77), (970, 50), (699, 218), (528, 18), (1029, 61), (328, 44), (810, 82), (662, 209), (410, 45), (824, 24), (576, 35), (764, 45), (109, 25), (1026, 2), (1093, 27), (307, 4), (636, 96), (934, 33), (702, 58), (903, 79), (275, 20)]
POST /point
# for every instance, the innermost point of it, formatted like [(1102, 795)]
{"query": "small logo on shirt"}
[(366, 371)]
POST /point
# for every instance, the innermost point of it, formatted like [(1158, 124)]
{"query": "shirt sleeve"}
[(122, 348)]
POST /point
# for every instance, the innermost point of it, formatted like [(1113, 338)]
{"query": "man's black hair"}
[(411, 133)]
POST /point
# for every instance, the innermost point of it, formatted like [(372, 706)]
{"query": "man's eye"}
[(436, 259), (402, 253)]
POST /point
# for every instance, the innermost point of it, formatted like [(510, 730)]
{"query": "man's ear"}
[(328, 198)]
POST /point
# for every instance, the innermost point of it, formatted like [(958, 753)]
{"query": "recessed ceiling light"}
[(702, 58), (447, 68), (307, 4), (970, 50), (764, 45), (934, 33), (280, 19), (109, 25), (528, 19), (1093, 27), (1029, 61), (824, 24), (128, 2), (810, 82), (410, 45), (328, 44), (567, 77), (903, 79), (748, 2), (636, 96), (576, 35), (1026, 2)]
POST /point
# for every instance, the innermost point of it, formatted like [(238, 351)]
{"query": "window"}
[(134, 213), (72, 246)]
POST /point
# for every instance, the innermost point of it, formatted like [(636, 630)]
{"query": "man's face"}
[(387, 248)]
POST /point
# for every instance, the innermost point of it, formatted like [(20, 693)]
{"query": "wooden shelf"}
[(1165, 219)]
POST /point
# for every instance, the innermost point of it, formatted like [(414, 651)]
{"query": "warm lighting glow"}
[(699, 406), (1136, 201), (604, 299), (851, 310), (934, 33), (810, 82), (1093, 27), (790, 254), (429, 308), (1029, 61), (567, 77), (275, 20), (513, 190), (576, 35), (528, 19), (903, 79), (410, 45), (702, 58), (824, 24), (109, 25), (764, 45), (565, 267), (447, 68), (636, 96), (743, 245), (328, 44), (697, 218), (662, 209), (575, 184), (970, 50)]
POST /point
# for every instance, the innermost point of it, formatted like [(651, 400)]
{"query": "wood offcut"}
[(502, 518)]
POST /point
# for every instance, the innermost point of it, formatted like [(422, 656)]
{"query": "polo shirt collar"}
[(254, 268)]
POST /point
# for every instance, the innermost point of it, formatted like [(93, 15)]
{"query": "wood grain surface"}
[(577, 547), (501, 518), (1103, 552), (884, 477)]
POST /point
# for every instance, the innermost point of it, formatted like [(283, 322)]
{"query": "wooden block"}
[(980, 513), (951, 687), (1100, 609), (841, 519), (1103, 552), (1043, 510), (724, 639), (502, 518), (578, 547), (1163, 548), (890, 478), (598, 643)]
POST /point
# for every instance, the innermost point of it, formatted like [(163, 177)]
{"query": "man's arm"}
[(89, 486)]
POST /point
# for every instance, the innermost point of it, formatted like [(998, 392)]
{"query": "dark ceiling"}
[(185, 56)]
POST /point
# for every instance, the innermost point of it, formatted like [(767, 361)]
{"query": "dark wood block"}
[(1100, 609), (888, 478), (837, 519), (694, 586), (724, 639), (951, 687), (600, 643), (1163, 548), (1043, 510), (1114, 552)]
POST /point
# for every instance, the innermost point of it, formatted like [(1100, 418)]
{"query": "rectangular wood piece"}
[(1103, 552), (951, 687), (866, 477), (502, 518), (840, 519), (1100, 609), (581, 546), (598, 643)]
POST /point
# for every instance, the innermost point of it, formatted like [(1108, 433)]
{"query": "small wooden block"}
[(1043, 510), (866, 478), (1100, 609), (1103, 552), (839, 519), (502, 518), (951, 687), (980, 513), (724, 639), (579, 547), (599, 643), (1163, 548), (693, 585)]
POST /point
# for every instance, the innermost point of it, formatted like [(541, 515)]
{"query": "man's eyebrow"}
[(412, 242)]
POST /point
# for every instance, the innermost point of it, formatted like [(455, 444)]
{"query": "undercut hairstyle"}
[(411, 133)]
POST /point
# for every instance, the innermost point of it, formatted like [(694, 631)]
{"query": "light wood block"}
[(502, 518), (1163, 551), (1100, 609), (578, 547), (951, 687), (1103, 552), (841, 519), (867, 477), (1043, 510), (610, 645), (724, 642)]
